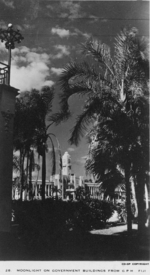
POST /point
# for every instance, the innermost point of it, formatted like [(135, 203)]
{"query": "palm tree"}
[(26, 170), (32, 132), (116, 90), (25, 123), (31, 166), (43, 101), (42, 148)]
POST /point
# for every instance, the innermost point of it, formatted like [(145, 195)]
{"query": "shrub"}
[(90, 213), (121, 209), (52, 218), (82, 193)]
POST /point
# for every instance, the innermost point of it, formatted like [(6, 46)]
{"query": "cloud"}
[(93, 18), (104, 20), (28, 26), (65, 9), (65, 33), (9, 3), (71, 149), (51, 7), (56, 71), (80, 161), (73, 10), (62, 50), (29, 69), (2, 48), (85, 34), (3, 25), (60, 32), (34, 8), (83, 159)]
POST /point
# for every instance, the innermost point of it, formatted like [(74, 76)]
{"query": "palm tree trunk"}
[(27, 170), (21, 172), (147, 205), (43, 173), (63, 188), (141, 203), (133, 187), (30, 176), (20, 175), (146, 197), (128, 198)]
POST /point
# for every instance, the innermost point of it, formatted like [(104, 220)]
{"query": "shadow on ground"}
[(74, 245)]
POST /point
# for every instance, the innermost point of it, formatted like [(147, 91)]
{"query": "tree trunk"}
[(141, 204), (20, 176), (43, 173), (147, 205), (30, 177), (63, 188), (128, 199), (21, 173), (133, 187), (27, 170)]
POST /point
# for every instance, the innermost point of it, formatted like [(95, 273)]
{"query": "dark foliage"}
[(37, 219), (122, 212)]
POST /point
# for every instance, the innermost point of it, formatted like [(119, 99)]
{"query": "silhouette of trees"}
[(31, 133), (116, 91)]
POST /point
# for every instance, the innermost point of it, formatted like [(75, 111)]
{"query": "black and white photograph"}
[(74, 137)]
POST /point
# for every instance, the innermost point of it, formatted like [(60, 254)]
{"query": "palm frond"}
[(57, 118), (100, 52), (91, 108), (76, 71), (95, 89), (131, 56), (74, 89), (65, 113)]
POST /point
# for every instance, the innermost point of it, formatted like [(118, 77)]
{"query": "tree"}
[(32, 132), (24, 131), (116, 91), (44, 101)]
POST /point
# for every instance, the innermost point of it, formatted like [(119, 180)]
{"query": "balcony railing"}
[(4, 73)]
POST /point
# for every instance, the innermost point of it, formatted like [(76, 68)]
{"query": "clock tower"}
[(66, 163)]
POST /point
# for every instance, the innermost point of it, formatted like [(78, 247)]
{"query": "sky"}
[(53, 31)]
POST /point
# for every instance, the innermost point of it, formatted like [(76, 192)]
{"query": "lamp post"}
[(10, 36)]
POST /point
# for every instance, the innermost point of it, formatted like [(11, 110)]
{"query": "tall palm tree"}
[(116, 90), (43, 101), (42, 149), (31, 166), (27, 170), (31, 131), (25, 123)]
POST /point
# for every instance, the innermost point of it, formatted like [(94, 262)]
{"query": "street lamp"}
[(10, 36)]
